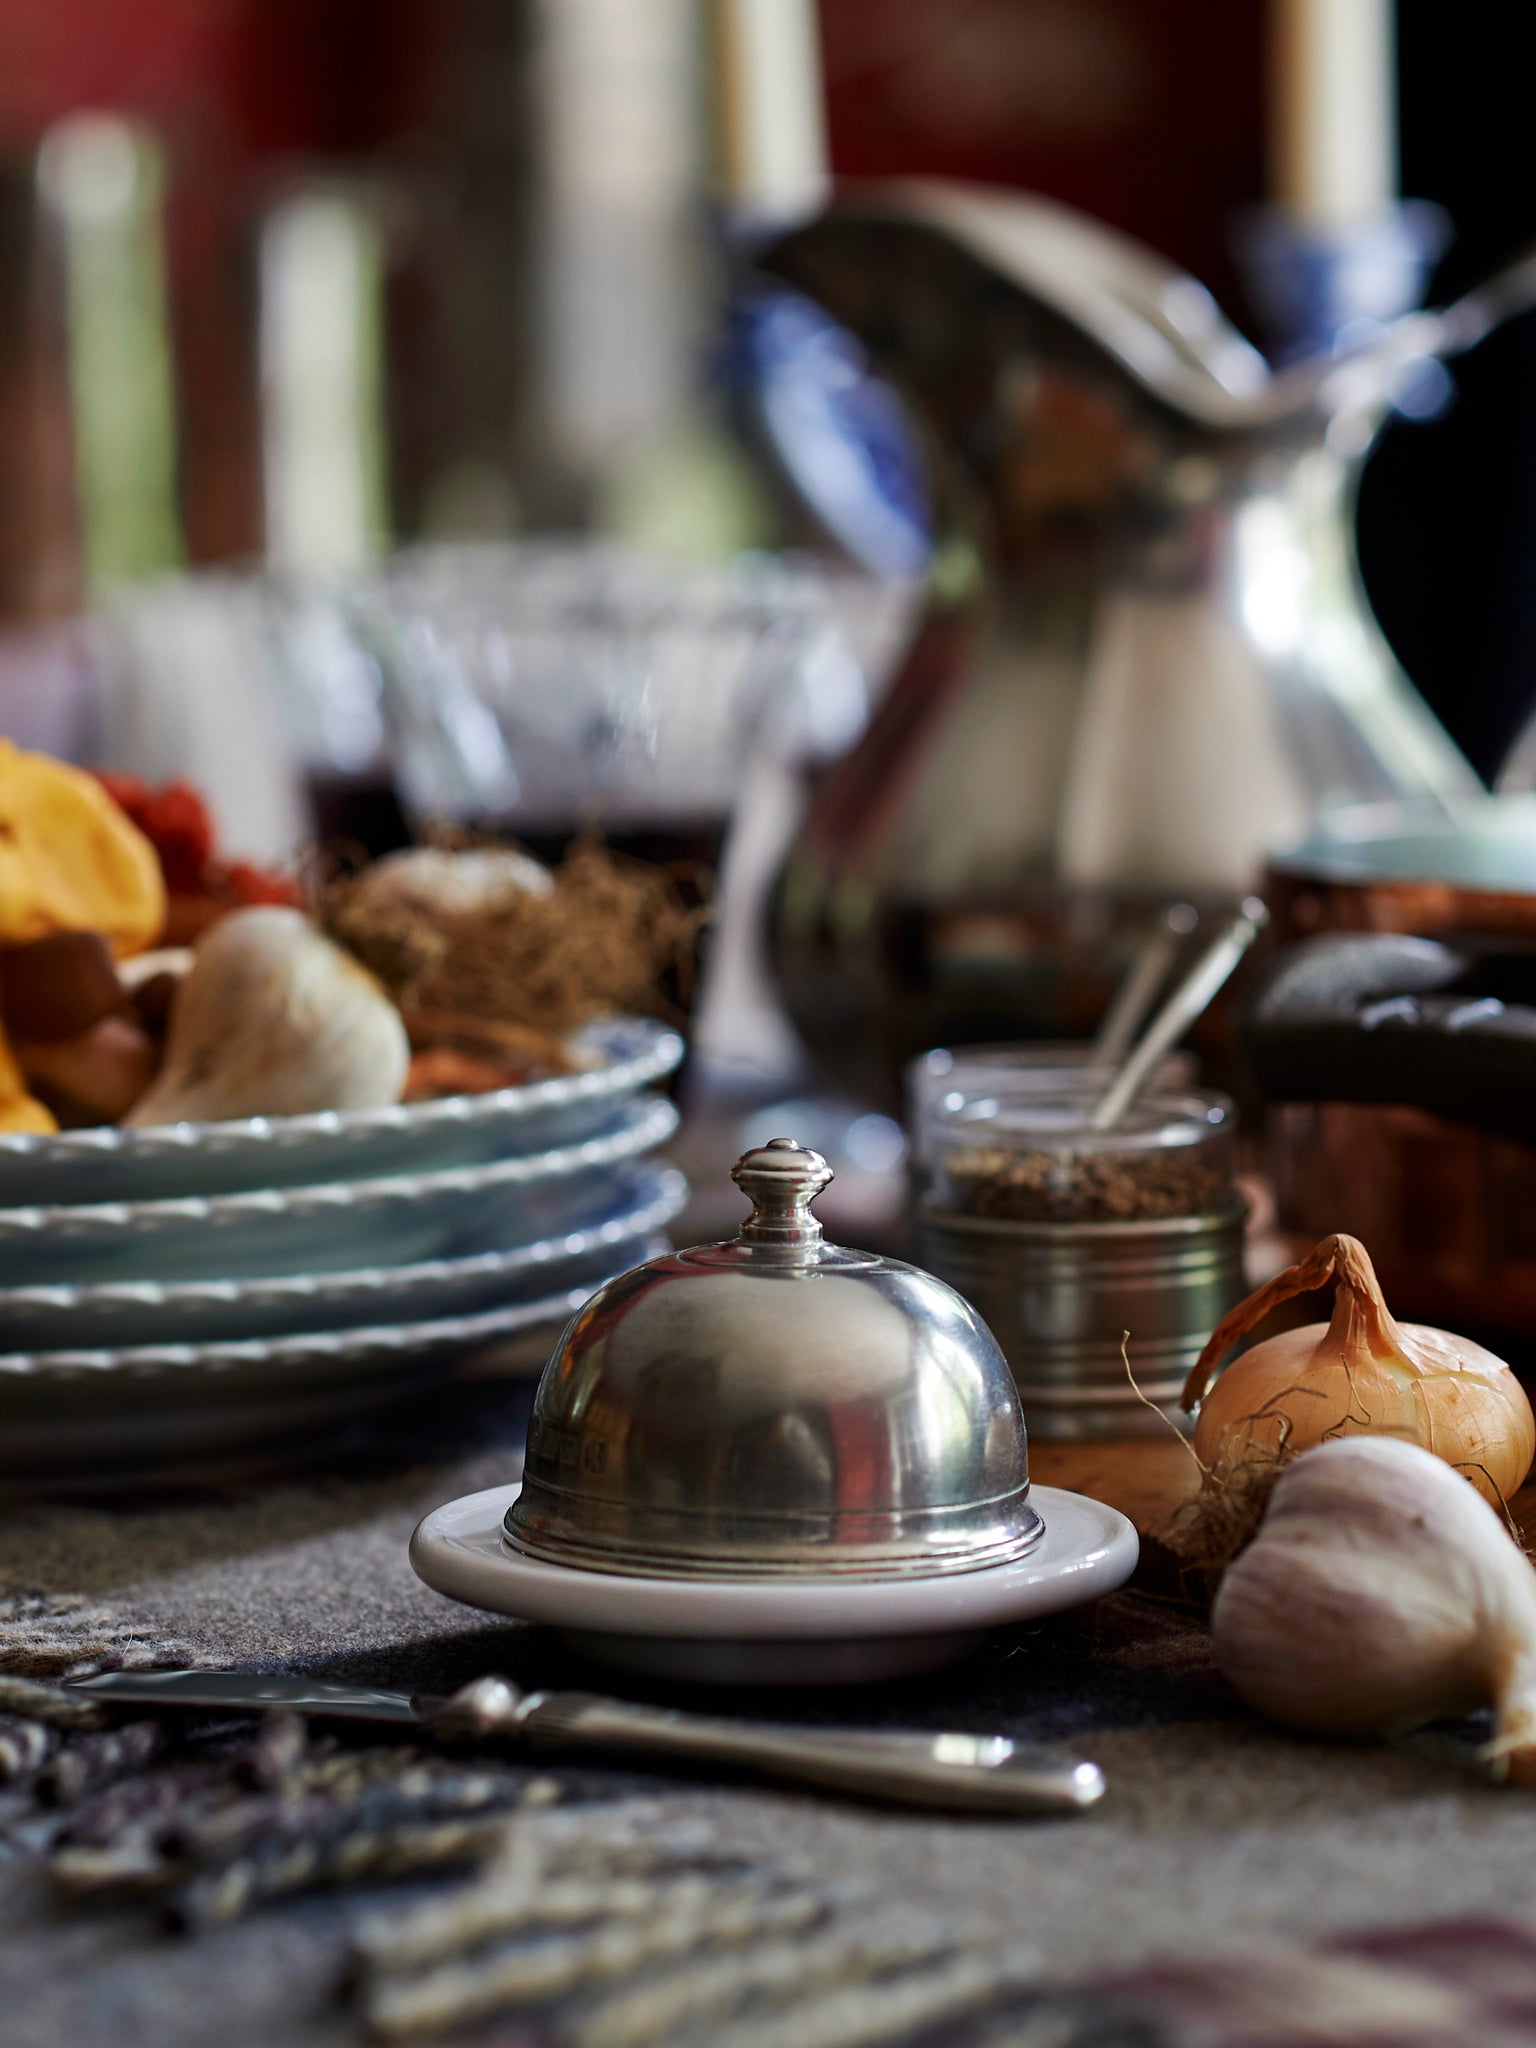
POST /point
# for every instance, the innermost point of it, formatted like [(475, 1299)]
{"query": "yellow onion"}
[(1362, 1374)]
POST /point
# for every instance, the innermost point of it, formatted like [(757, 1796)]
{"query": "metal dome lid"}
[(776, 1406)]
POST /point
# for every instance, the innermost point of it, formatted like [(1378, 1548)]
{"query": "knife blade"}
[(958, 1772), (252, 1692)]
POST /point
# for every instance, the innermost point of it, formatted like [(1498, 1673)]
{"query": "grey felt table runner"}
[(268, 1886)]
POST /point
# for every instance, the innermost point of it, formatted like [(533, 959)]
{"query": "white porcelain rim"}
[(655, 1119), (1088, 1549), (666, 1193), (356, 1345)]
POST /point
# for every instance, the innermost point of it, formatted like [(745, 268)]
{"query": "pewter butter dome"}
[(776, 1406)]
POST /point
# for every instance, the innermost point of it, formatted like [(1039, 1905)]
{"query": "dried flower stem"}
[(25, 1746), (706, 1991), (358, 1855), (890, 2009), (605, 939), (97, 1760)]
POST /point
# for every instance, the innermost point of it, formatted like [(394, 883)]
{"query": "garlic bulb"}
[(450, 882), (1363, 1373), (1380, 1593), (274, 1020)]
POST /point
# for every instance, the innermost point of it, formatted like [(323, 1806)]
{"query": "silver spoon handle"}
[(1134, 997), (962, 1773), (1181, 1009)]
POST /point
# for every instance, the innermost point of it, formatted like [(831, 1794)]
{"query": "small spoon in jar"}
[(1137, 992), (1187, 1001)]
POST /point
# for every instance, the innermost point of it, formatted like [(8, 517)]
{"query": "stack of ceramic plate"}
[(205, 1288)]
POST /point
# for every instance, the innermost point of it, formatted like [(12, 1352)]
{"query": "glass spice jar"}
[(1028, 1157), (1047, 1066), (1065, 1238)]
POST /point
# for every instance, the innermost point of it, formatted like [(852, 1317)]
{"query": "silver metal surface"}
[(251, 1692), (1166, 667), (1137, 992), (776, 1406), (1060, 1296), (957, 1772)]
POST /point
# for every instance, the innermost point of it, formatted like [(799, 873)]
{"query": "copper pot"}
[(1397, 868), (1402, 1075)]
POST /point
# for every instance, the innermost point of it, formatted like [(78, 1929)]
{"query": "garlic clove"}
[(1381, 1592), (273, 1019), (174, 960), (153, 981)]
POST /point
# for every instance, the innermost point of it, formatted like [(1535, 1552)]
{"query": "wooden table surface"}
[(1142, 1477), (1147, 1480)]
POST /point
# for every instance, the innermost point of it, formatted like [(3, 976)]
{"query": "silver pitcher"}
[(1148, 658)]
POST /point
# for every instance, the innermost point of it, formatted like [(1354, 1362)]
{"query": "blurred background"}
[(394, 397), (282, 281)]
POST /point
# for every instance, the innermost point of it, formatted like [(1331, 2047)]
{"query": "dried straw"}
[(613, 935)]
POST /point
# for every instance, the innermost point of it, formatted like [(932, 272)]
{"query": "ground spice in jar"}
[(1035, 1161), (1082, 1187)]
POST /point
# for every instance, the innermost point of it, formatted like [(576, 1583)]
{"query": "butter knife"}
[(960, 1773)]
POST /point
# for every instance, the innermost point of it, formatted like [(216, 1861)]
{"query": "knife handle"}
[(961, 1773)]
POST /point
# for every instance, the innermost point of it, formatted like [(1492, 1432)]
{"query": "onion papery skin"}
[(1444, 1393)]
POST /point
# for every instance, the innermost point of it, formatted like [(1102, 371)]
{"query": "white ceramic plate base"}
[(784, 1632)]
